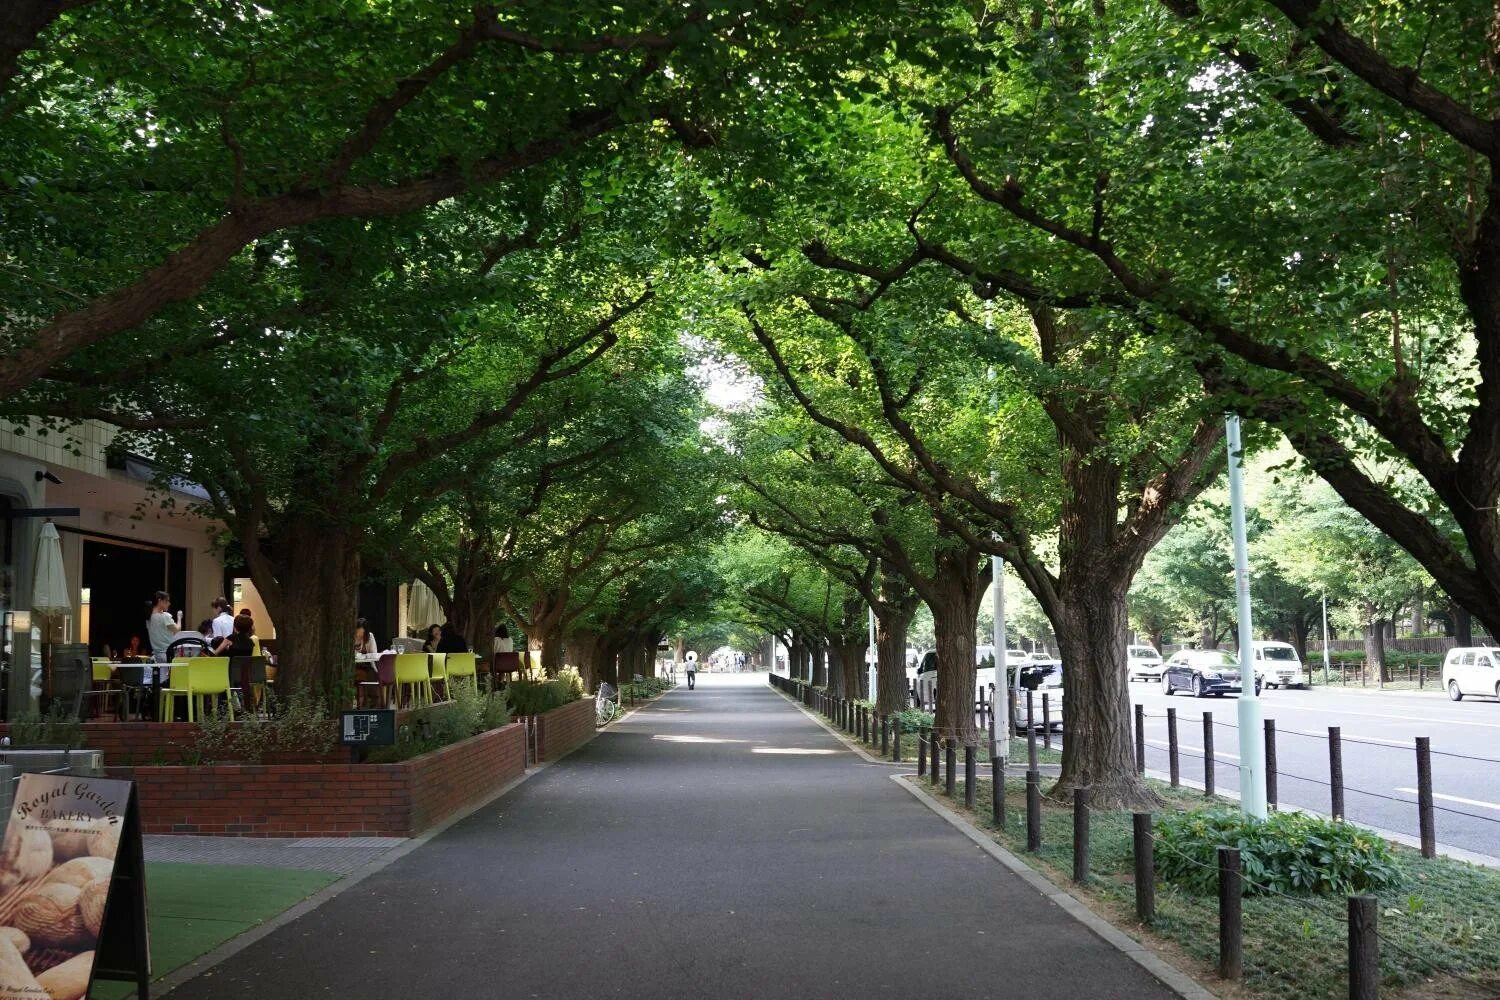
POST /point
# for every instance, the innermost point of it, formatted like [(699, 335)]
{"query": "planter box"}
[(563, 729), (327, 800)]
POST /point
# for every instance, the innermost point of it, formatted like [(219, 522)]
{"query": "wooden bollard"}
[(1033, 810), (1145, 867), (896, 739), (950, 759), (1425, 819), (1270, 726), (997, 791), (1231, 923), (1364, 948), (1208, 754), (1046, 721), (921, 749), (971, 759), (1140, 739), (1173, 763), (933, 757)]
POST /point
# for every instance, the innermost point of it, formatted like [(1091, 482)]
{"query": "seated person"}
[(451, 640), (240, 642)]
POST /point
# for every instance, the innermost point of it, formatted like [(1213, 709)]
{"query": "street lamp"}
[(1252, 727)]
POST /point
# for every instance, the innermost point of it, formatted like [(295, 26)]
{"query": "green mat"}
[(195, 908)]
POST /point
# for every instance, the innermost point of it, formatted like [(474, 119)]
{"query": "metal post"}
[(1325, 639), (997, 597), (1140, 739), (1172, 761), (1424, 797), (1033, 810), (1046, 721), (1209, 772), (933, 758), (896, 739), (997, 790), (1080, 835), (970, 775), (1145, 867), (1231, 926), (1252, 737), (921, 747), (950, 759), (872, 662), (1336, 771), (1364, 948), (1270, 763), (884, 722)]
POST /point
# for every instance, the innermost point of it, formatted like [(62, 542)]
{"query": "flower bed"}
[(327, 800)]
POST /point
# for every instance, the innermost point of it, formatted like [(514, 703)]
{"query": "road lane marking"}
[(1163, 745), (1456, 798), (1269, 707), (1403, 744)]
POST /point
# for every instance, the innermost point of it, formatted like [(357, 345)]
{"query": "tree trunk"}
[(1301, 626), (317, 578), (890, 653), (833, 673), (795, 659), (1099, 752), (1374, 642), (552, 652), (850, 655), (818, 651), (1463, 626), (957, 585), (1416, 614), (586, 647)]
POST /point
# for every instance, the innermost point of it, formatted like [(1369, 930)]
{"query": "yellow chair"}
[(208, 676), (178, 683), (439, 674), (462, 668), (103, 672), (412, 672)]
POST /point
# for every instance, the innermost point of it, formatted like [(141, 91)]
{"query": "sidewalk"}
[(716, 844)]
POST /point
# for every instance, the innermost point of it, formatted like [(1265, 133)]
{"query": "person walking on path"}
[(691, 666)]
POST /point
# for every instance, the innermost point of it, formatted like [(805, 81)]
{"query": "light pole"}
[(872, 659), (1325, 640), (1252, 727)]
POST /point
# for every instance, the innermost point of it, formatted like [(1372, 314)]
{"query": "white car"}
[(1143, 663), (1278, 663), (1472, 670)]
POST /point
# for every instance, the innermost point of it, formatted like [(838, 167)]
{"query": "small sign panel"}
[(368, 727)]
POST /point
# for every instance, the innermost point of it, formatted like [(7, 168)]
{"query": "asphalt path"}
[(1379, 755), (716, 844)]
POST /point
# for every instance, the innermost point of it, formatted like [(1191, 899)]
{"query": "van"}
[(1472, 670), (1278, 663)]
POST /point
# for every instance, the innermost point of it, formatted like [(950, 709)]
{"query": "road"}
[(718, 843), (1380, 770)]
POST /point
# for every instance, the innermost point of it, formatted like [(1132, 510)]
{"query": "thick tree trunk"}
[(890, 652), (586, 646), (1374, 642), (1463, 626), (1099, 753), (796, 662), (317, 578), (818, 651), (1417, 616), (953, 626), (850, 656), (552, 652)]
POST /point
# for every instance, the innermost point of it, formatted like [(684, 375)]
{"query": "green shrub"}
[(426, 729), (570, 677), (58, 728), (301, 725), (913, 719), (1289, 853), (536, 697), (646, 687)]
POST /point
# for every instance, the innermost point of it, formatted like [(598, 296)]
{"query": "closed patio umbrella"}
[(422, 608), (49, 591)]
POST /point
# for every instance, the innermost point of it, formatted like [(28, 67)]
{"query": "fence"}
[(938, 763)]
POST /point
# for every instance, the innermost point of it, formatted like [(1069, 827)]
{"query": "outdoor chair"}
[(135, 687), (507, 665), (438, 672), (411, 673), (177, 684), (463, 668), (104, 692), (208, 677), (249, 675), (383, 686)]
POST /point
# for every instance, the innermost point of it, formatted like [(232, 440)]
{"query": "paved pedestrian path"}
[(716, 844)]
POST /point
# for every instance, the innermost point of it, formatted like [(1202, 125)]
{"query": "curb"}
[(1164, 972), (850, 743), (217, 956)]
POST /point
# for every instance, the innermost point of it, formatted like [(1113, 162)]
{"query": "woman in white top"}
[(160, 625), (364, 641)]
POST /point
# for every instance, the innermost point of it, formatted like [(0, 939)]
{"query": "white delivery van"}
[(1277, 663), (1472, 670)]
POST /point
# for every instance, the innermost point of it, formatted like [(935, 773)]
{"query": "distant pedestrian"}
[(691, 666)]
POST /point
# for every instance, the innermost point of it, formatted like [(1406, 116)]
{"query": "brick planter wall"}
[(563, 729), (127, 743), (327, 800)]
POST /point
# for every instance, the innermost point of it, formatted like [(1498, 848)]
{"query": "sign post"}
[(372, 727)]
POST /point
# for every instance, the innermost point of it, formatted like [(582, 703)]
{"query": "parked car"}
[(1472, 670), (1040, 678), (1279, 664), (1143, 663), (1204, 672)]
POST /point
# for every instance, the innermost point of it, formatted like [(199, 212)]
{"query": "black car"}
[(1204, 672)]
